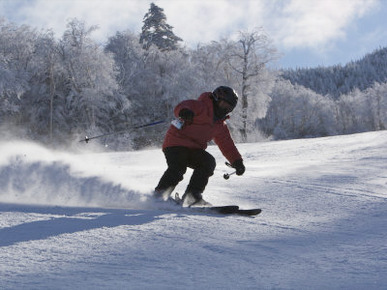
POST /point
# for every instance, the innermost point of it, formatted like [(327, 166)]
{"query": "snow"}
[(85, 221)]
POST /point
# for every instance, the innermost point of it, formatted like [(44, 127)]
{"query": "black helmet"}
[(226, 94)]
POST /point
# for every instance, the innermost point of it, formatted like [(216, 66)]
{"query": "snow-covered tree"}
[(39, 102), (361, 111), (90, 82), (246, 60), (16, 61), (209, 64), (296, 112), (156, 31), (154, 81), (377, 99)]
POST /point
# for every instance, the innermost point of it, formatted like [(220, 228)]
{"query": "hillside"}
[(337, 80), (85, 221)]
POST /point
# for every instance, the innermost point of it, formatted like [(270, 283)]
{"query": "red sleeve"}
[(194, 105), (226, 144)]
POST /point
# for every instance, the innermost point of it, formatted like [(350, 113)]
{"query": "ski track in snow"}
[(85, 220)]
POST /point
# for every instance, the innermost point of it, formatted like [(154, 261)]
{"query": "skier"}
[(199, 121)]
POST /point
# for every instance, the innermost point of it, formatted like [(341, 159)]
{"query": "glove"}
[(239, 167), (187, 116)]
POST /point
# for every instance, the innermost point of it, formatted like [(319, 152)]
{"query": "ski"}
[(227, 210), (222, 210)]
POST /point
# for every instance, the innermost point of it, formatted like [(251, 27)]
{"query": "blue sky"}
[(308, 33)]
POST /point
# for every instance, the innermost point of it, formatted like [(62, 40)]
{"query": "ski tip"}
[(251, 212), (234, 209)]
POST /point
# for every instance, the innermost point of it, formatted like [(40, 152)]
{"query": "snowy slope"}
[(84, 221)]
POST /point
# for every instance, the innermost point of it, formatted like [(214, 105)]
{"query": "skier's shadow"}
[(70, 220)]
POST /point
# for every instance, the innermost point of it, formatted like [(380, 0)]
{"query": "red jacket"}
[(202, 130)]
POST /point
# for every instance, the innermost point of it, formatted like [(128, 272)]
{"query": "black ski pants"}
[(178, 159)]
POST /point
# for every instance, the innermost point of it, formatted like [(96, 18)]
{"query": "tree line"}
[(338, 80), (56, 91)]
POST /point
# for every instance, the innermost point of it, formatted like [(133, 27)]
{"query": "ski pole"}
[(87, 139), (227, 175)]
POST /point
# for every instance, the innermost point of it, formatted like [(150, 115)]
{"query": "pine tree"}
[(156, 31)]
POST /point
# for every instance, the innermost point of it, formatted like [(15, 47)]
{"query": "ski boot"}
[(163, 194), (190, 199)]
